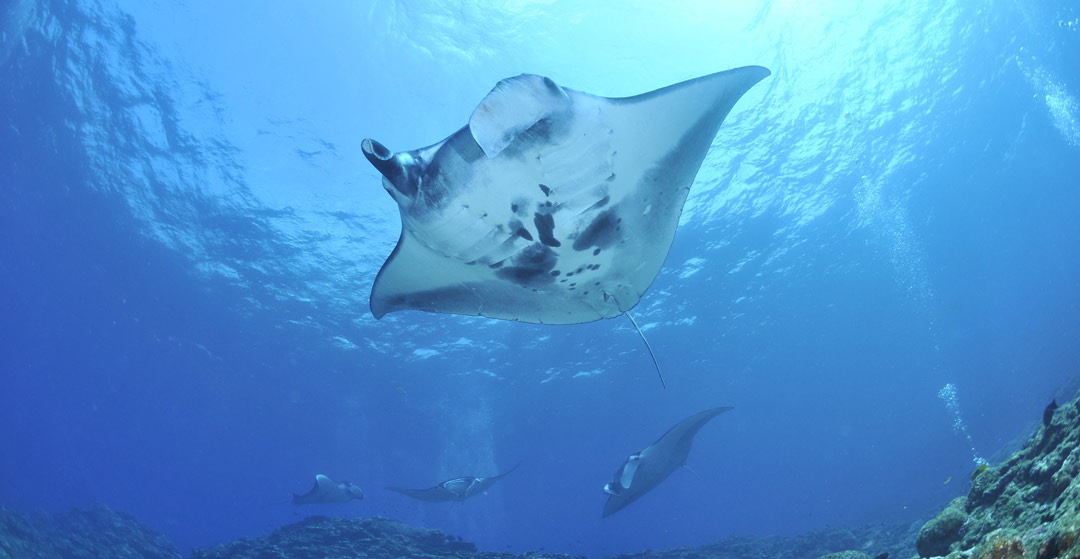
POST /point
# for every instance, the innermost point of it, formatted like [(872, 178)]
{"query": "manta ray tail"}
[(648, 347), (687, 466)]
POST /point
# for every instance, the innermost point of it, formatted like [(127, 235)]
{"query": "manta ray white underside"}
[(551, 205)]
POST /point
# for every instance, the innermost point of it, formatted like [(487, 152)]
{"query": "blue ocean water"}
[(878, 266)]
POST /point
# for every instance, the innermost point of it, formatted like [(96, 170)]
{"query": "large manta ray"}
[(645, 469), (552, 205), (457, 489)]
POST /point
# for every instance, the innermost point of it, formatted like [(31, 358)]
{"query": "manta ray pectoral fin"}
[(416, 278), (512, 107), (508, 472), (323, 483), (434, 494)]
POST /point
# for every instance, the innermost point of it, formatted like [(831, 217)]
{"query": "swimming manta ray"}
[(457, 489), (327, 491), (552, 205), (645, 469)]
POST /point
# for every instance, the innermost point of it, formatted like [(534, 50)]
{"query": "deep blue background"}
[(188, 236)]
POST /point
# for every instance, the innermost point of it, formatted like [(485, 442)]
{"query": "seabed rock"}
[(936, 536), (1027, 507), (846, 555), (318, 537), (102, 532), (80, 533)]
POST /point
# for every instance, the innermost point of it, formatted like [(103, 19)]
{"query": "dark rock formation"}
[(1026, 507), (830, 543), (78, 534), (319, 537), (936, 536), (101, 532), (846, 555)]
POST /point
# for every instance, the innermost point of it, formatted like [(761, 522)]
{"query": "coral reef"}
[(846, 555), (89, 533), (936, 536), (319, 537), (830, 543), (101, 532), (1027, 507)]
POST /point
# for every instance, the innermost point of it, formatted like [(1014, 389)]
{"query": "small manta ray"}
[(326, 491), (646, 468), (457, 489), (551, 205)]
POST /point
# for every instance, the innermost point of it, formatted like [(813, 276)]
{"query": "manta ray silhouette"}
[(644, 470), (552, 205), (327, 491), (457, 489)]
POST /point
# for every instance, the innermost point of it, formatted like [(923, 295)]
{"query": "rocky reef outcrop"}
[(865, 542), (80, 533), (320, 537), (1026, 507), (317, 537), (102, 532)]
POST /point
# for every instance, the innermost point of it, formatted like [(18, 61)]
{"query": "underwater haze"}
[(878, 266)]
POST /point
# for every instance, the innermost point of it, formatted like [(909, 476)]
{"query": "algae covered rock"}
[(95, 532), (875, 541), (319, 537), (846, 555), (936, 536), (1028, 506)]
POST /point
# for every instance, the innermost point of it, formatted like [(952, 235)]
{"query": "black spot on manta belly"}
[(601, 233), (524, 234), (545, 189), (599, 203), (545, 227), (530, 266), (434, 300)]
